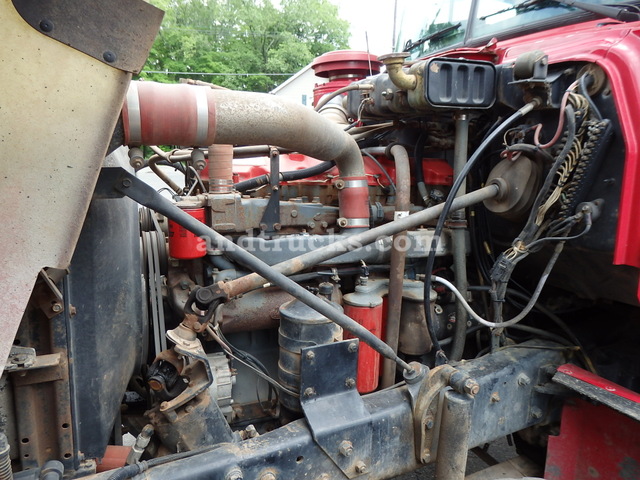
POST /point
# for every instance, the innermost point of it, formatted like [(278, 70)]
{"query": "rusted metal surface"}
[(256, 310), (44, 421), (398, 256), (119, 32)]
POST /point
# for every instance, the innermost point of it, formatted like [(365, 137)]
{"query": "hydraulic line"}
[(137, 190), (397, 261), (447, 208), (289, 176), (458, 236)]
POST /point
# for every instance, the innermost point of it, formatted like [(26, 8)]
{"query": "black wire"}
[(440, 355), (583, 88)]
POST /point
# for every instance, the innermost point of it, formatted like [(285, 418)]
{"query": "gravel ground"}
[(500, 450)]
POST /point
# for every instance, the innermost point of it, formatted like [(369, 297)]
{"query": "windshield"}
[(425, 28)]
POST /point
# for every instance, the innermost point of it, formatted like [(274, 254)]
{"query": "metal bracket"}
[(119, 33), (338, 419), (425, 398), (270, 222)]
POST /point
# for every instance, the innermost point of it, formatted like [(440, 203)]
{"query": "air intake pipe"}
[(198, 116)]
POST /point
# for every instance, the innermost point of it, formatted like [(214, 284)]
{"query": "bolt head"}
[(56, 307), (346, 448), (309, 392), (353, 347), (350, 383), (361, 467), (471, 387), (428, 422), (310, 356)]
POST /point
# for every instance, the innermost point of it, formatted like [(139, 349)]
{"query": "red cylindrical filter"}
[(365, 307), (184, 244)]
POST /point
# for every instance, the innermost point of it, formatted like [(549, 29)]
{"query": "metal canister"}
[(364, 305), (184, 244), (414, 337), (300, 327)]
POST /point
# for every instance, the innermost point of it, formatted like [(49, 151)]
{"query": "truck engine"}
[(439, 254)]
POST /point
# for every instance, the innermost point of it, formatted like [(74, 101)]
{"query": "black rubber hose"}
[(583, 88), (440, 355), (292, 175)]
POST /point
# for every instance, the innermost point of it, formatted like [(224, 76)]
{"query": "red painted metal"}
[(437, 172), (594, 442), (596, 381), (115, 456), (615, 47), (184, 244), (368, 358), (341, 68)]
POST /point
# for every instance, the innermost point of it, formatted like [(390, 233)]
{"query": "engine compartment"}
[(307, 288)]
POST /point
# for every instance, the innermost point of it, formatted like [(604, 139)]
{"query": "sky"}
[(373, 17)]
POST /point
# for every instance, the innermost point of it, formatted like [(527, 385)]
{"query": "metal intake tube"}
[(190, 115)]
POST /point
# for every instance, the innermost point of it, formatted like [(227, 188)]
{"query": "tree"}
[(242, 37)]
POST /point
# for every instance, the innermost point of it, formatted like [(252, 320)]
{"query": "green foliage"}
[(242, 37)]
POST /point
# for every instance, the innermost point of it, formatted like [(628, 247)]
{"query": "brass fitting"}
[(394, 63)]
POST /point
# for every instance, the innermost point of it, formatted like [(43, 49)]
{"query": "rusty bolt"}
[(471, 387), (353, 347), (310, 356), (72, 311), (345, 448), (495, 397), (523, 380), (350, 382), (56, 307), (361, 467), (268, 476), (309, 392), (234, 474)]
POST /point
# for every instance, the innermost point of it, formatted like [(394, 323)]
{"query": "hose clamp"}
[(356, 183), (202, 116), (353, 222), (133, 111)]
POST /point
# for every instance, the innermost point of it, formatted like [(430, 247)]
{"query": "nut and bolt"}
[(56, 307), (309, 392), (345, 448), (471, 387), (251, 432), (438, 309), (353, 347), (495, 397), (234, 474), (536, 412), (361, 467), (311, 225), (342, 222), (310, 356), (350, 382)]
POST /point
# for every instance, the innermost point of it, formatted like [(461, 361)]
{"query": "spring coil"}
[(5, 459)]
